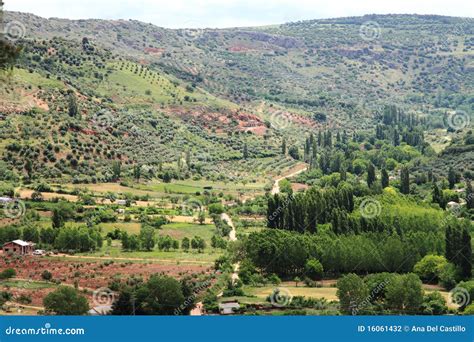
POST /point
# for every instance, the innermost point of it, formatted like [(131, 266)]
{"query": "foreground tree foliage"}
[(352, 293), (9, 53), (387, 293), (65, 301), (161, 295)]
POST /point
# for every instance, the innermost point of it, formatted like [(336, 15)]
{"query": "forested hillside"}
[(315, 167), (209, 95)]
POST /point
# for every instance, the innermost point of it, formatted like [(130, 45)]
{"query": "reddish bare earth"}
[(89, 275)]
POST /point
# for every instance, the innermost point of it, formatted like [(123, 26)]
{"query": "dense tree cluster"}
[(458, 245), (304, 211), (160, 295), (387, 293), (285, 253)]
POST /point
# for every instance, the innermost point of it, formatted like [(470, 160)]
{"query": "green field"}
[(156, 189), (173, 256), (181, 230), (27, 284)]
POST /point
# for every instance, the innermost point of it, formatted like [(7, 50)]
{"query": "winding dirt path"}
[(232, 237), (199, 308), (276, 186)]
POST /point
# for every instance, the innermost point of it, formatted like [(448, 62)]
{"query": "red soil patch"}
[(239, 48), (154, 51), (299, 186), (222, 121), (91, 274)]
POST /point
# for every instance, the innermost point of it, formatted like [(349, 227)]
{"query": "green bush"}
[(8, 273), (428, 268), (46, 275), (434, 304), (314, 269), (216, 208)]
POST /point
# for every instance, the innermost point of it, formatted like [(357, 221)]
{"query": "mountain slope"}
[(175, 100)]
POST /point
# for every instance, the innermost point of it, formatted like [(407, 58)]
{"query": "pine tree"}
[(437, 195), (465, 260), (29, 168), (371, 178), (343, 172), (72, 105), (314, 151), (469, 195), (396, 137), (271, 212), (137, 171), (116, 170), (246, 151), (307, 148), (283, 147), (458, 248), (188, 159), (430, 176), (405, 181), (451, 178), (385, 179)]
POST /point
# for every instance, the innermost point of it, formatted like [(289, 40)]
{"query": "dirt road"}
[(276, 185)]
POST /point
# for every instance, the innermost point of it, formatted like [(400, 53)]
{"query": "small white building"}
[(19, 247)]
